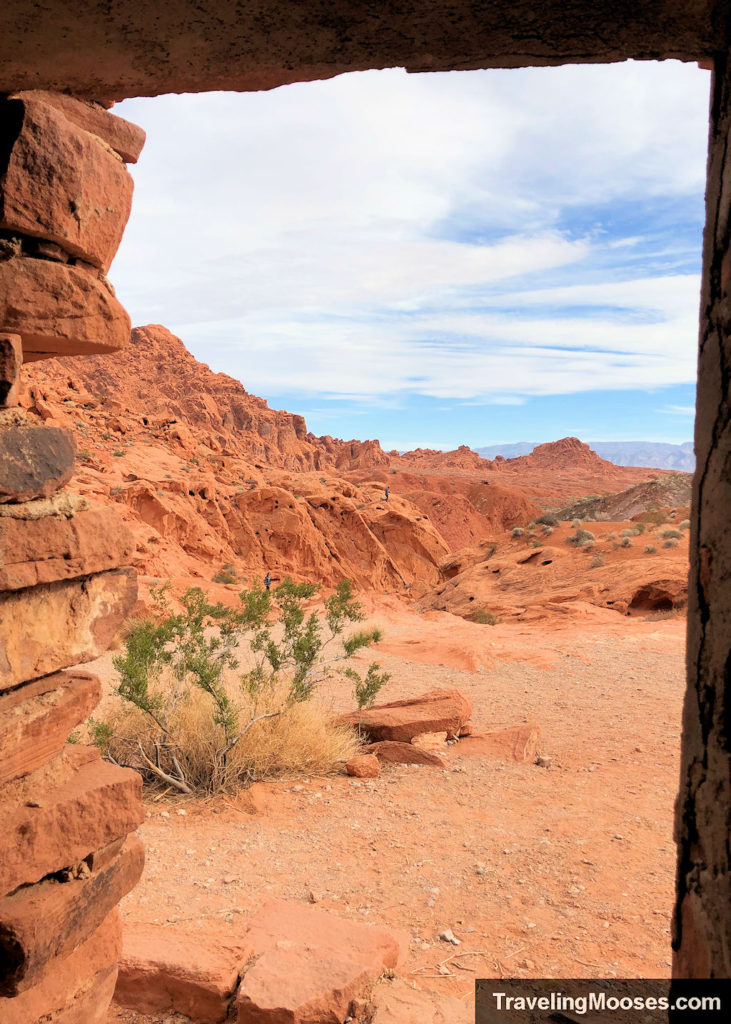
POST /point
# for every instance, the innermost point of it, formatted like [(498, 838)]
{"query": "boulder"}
[(61, 184), (398, 1003), (363, 766), (49, 627), (11, 360), (310, 965), (60, 814), (55, 548), (35, 462), (125, 138), (519, 743), (37, 718), (40, 923), (76, 989), (395, 752), (194, 973), (59, 310), (436, 711)]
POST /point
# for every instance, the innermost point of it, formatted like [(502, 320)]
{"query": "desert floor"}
[(559, 871)]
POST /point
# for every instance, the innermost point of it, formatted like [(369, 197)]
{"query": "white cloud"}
[(364, 236)]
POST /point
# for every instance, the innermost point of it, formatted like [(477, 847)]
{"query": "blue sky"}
[(434, 260)]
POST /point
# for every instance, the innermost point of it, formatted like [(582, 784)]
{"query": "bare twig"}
[(178, 784)]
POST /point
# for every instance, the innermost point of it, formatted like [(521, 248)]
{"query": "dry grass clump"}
[(301, 740), (685, 525), (650, 549), (670, 534), (518, 531)]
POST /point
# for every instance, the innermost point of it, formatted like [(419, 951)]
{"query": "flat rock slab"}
[(436, 711), (35, 462), (50, 627), (398, 1003), (394, 752), (76, 989), (54, 548), (57, 816), (195, 973), (125, 138), (37, 719), (310, 965), (43, 922), (58, 310), (518, 743), (62, 184)]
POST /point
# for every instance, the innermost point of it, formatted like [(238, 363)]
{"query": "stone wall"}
[(67, 818), (702, 927)]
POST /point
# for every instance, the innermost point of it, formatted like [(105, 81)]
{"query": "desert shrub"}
[(629, 533), (226, 575), (611, 536), (575, 524), (547, 531), (601, 517), (626, 542), (650, 549), (118, 453), (193, 718), (105, 435), (670, 534), (596, 562), (518, 531), (640, 528), (685, 525), (84, 455), (670, 543), (581, 538), (547, 520), (535, 543), (485, 618)]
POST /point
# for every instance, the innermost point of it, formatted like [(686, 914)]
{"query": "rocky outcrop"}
[(444, 711), (65, 816)]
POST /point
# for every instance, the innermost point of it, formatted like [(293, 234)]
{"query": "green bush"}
[(193, 704)]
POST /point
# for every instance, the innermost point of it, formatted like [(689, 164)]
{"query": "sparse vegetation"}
[(226, 575), (629, 533), (485, 618), (650, 549), (547, 520), (195, 720), (518, 531), (596, 562), (670, 534), (118, 453), (685, 525), (670, 543), (581, 538), (576, 524), (84, 455), (626, 542)]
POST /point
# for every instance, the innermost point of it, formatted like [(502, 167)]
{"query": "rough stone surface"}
[(62, 504), (310, 965), (55, 548), (165, 969), (47, 628), (11, 360), (437, 711), (76, 989), (62, 813), (139, 49), (42, 922), (399, 1003), (363, 766), (125, 138), (37, 719), (518, 743), (59, 310), (35, 462), (62, 184), (702, 924), (398, 752)]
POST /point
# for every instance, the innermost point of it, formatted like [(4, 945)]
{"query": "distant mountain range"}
[(653, 454)]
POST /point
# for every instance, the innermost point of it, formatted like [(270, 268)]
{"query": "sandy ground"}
[(565, 871)]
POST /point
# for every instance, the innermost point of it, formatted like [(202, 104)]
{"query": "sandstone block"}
[(363, 766), (59, 310), (122, 136), (42, 922), (36, 719), (436, 711), (55, 548), (311, 965), (35, 462), (58, 815), (518, 743), (11, 360), (166, 969), (61, 184), (50, 627), (395, 752), (399, 1003), (76, 989)]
